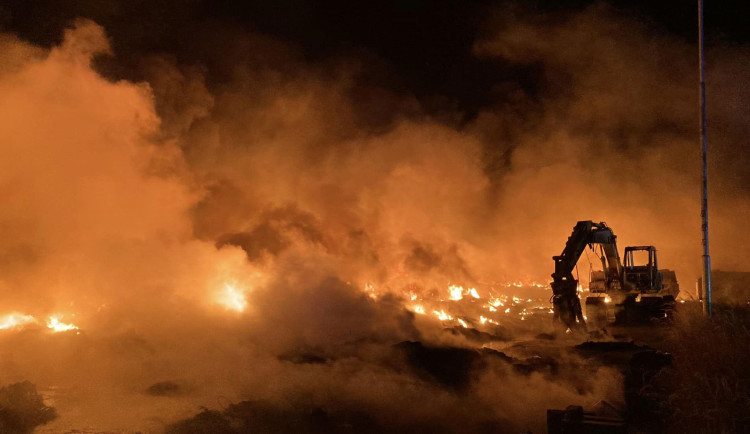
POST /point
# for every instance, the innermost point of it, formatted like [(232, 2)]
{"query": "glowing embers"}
[(497, 302), (465, 306), (442, 316), (521, 284), (232, 298), (372, 292), (484, 320)]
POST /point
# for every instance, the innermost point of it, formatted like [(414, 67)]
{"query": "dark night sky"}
[(422, 47)]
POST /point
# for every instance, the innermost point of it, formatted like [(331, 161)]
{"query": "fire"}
[(232, 298), (523, 314), (522, 284), (54, 324), (495, 302), (369, 290), (416, 299), (15, 320), (457, 292), (442, 316)]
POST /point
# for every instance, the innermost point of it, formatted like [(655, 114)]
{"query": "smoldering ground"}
[(130, 206)]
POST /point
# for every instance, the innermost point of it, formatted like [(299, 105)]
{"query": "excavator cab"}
[(637, 290), (642, 269)]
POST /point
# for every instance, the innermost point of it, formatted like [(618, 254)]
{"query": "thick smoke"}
[(130, 208), (614, 137)]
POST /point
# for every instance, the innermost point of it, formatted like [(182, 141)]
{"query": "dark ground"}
[(663, 364), (685, 374)]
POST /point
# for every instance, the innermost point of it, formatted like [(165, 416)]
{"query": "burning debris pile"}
[(487, 308)]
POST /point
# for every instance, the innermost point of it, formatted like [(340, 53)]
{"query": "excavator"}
[(621, 293)]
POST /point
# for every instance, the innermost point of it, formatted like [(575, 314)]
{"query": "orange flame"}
[(54, 324)]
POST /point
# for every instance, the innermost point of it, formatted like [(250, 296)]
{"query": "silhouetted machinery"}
[(636, 290)]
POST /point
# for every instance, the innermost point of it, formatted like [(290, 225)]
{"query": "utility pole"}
[(706, 281)]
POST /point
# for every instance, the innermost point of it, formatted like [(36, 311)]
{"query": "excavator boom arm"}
[(564, 286)]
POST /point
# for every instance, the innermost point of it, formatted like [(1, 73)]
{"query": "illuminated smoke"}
[(232, 298), (15, 320), (224, 235)]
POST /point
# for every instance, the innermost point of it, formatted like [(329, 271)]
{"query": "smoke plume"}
[(249, 225)]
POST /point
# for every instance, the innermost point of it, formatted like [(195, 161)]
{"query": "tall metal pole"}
[(706, 281)]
